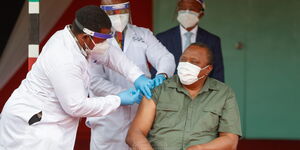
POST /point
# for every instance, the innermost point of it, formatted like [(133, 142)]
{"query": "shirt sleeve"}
[(100, 85), (230, 118), (118, 61), (156, 93), (68, 84)]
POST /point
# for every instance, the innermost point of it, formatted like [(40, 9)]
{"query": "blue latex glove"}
[(130, 97), (159, 79), (145, 85)]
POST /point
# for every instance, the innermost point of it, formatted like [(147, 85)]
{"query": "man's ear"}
[(85, 37), (81, 39), (201, 14), (177, 6), (209, 69)]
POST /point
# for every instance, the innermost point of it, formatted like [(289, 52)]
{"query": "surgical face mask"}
[(187, 18), (188, 73), (119, 21), (100, 48)]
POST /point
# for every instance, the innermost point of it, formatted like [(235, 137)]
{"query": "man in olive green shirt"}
[(189, 111)]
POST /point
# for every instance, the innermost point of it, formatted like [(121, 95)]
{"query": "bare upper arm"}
[(234, 139), (144, 117)]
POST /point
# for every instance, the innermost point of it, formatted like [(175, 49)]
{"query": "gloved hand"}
[(130, 97), (159, 79), (145, 85)]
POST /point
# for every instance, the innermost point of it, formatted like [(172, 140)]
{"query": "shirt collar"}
[(183, 30)]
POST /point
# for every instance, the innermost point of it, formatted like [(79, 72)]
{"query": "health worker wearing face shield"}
[(178, 38), (139, 45), (44, 111)]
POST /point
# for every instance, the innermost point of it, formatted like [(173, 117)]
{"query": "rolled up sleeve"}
[(230, 118)]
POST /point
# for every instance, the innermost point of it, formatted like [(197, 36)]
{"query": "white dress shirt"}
[(183, 38)]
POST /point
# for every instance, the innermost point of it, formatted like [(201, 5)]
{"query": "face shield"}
[(119, 15), (93, 33)]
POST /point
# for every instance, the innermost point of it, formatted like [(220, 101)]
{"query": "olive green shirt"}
[(181, 122)]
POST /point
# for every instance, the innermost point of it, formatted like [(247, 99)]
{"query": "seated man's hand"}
[(130, 97), (145, 85)]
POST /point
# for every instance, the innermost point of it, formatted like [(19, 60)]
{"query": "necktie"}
[(187, 42), (119, 38)]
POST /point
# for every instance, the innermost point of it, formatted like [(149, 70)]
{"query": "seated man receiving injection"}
[(189, 111)]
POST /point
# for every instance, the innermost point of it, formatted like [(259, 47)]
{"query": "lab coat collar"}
[(128, 37), (128, 32)]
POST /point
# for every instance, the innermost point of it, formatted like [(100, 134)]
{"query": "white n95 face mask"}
[(119, 21), (187, 18), (100, 48), (188, 73)]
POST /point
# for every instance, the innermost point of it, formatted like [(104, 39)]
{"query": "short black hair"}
[(91, 17), (210, 54)]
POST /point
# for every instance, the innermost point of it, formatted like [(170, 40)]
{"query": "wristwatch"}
[(165, 75)]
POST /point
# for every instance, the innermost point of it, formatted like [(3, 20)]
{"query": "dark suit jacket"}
[(171, 39)]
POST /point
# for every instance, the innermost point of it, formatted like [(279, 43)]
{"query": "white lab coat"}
[(109, 132), (58, 86)]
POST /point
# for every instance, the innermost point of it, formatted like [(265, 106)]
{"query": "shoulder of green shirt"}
[(166, 84)]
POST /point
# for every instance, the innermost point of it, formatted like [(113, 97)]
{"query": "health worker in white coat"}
[(139, 45), (44, 111)]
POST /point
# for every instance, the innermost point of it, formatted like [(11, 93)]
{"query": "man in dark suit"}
[(178, 38)]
